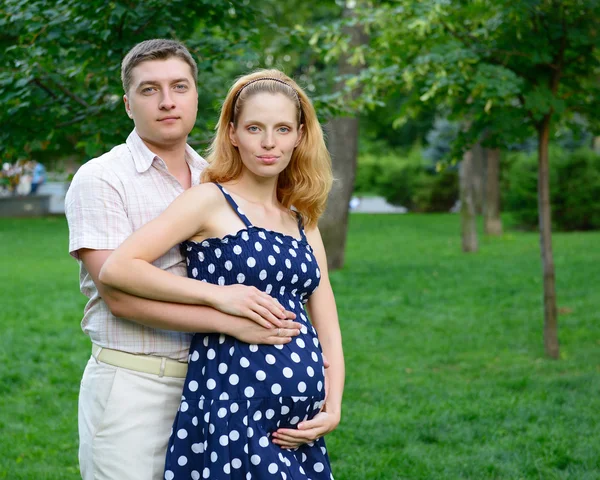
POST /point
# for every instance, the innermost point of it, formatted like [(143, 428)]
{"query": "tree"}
[(509, 67)]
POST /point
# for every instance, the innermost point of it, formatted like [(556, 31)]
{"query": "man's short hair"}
[(155, 49)]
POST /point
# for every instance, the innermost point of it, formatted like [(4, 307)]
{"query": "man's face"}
[(163, 101)]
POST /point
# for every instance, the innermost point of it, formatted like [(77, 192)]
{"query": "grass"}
[(446, 374)]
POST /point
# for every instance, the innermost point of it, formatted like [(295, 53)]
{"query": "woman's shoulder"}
[(205, 193)]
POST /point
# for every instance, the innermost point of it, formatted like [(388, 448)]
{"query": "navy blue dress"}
[(236, 394)]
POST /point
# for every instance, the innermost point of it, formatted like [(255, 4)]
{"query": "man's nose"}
[(166, 101)]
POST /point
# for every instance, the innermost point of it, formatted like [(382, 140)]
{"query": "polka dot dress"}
[(236, 395)]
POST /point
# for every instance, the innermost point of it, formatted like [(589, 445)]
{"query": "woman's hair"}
[(306, 181)]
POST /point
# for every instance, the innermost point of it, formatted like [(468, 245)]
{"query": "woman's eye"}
[(253, 129), (284, 129)]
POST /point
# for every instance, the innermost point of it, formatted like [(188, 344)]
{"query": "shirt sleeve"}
[(96, 210)]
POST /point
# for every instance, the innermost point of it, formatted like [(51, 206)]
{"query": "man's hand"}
[(309, 431), (250, 332)]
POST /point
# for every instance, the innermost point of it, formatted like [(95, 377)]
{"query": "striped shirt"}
[(109, 198)]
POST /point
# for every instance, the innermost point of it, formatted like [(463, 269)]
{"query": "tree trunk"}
[(467, 204), (342, 142), (493, 222), (478, 175), (545, 222)]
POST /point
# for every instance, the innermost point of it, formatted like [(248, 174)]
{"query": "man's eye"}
[(181, 86), (148, 90)]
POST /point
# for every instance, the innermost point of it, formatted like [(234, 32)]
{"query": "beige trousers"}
[(125, 421)]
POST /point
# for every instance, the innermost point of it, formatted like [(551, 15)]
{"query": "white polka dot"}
[(244, 362), (195, 421), (214, 457), (237, 249), (211, 384), (270, 359), (276, 389), (193, 385), (241, 277), (291, 304), (195, 475), (307, 283), (263, 442), (205, 341), (218, 252), (303, 329), (300, 342), (292, 253), (318, 467), (211, 354), (224, 440), (198, 447), (294, 278), (273, 468), (270, 413), (319, 385), (314, 356), (184, 407), (211, 428), (308, 257), (245, 236), (310, 371), (224, 396), (253, 347), (234, 379), (279, 240), (211, 268), (231, 350), (257, 415), (279, 276), (234, 435), (262, 275), (278, 347), (276, 248), (255, 459), (251, 262), (260, 375), (288, 264), (285, 409), (195, 272), (227, 468), (236, 463), (249, 392), (201, 256), (250, 432), (282, 290), (206, 473), (169, 475), (228, 265), (221, 281), (269, 288), (295, 357), (182, 433), (271, 259), (222, 413), (195, 356), (258, 246), (182, 461), (302, 387), (294, 420), (304, 268), (304, 457), (222, 368), (288, 372), (234, 407)]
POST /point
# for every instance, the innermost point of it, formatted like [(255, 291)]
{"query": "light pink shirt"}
[(110, 197)]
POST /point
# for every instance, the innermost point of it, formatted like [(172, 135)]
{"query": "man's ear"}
[(300, 135), (127, 107), (232, 138)]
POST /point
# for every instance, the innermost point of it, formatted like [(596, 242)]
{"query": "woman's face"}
[(266, 134)]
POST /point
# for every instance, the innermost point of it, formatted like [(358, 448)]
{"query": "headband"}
[(259, 80)]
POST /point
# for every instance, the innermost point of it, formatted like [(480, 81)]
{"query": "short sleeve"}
[(96, 210)]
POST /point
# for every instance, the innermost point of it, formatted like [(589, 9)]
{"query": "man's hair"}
[(155, 49)]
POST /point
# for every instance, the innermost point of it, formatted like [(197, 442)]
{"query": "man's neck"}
[(174, 157)]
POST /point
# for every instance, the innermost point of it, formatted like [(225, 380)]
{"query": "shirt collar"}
[(143, 157)]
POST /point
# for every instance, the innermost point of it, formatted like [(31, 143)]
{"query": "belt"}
[(161, 366)]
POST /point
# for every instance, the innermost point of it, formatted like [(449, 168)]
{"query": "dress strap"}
[(301, 225), (234, 205)]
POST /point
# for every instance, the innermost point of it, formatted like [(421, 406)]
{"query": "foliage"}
[(574, 189), (445, 379), (407, 179), (59, 79)]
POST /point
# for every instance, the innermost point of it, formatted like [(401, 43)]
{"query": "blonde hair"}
[(306, 181)]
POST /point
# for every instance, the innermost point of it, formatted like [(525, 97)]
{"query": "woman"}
[(250, 235)]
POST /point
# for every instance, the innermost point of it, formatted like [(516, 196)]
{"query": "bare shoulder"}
[(205, 195)]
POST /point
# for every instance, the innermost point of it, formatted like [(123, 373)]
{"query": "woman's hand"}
[(308, 431), (250, 302)]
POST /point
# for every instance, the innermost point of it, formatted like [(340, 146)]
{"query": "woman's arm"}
[(129, 267), (323, 314)]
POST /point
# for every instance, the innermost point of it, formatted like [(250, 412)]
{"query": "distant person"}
[(38, 177), (132, 384), (247, 411)]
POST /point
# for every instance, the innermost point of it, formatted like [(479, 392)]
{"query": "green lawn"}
[(446, 376)]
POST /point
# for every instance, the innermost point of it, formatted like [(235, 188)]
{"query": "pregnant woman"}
[(249, 233)]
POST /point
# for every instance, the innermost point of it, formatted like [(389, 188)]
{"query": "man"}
[(132, 384)]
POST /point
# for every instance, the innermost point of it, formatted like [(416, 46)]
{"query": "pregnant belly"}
[(221, 367)]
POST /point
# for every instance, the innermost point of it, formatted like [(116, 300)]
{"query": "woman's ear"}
[(232, 137)]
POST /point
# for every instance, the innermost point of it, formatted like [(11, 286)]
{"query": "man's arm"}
[(180, 317)]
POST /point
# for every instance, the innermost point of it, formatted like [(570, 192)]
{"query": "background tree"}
[(512, 68)]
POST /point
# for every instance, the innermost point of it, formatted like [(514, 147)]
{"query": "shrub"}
[(574, 189)]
